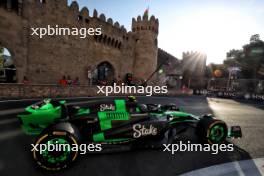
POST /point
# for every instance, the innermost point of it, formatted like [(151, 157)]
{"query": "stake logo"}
[(142, 130), (107, 107)]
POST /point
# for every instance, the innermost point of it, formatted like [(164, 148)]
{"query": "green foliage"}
[(249, 59)]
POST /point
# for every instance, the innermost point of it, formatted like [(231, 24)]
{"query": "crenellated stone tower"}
[(46, 60), (145, 33)]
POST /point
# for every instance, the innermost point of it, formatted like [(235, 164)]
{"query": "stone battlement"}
[(47, 59), (145, 23)]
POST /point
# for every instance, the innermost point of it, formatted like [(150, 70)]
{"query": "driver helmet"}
[(132, 99), (143, 107)]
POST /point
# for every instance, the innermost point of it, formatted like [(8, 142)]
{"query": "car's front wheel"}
[(55, 148)]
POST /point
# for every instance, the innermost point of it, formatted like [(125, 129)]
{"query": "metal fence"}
[(239, 85)]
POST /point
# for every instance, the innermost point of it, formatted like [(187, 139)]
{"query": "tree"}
[(249, 59), (254, 38)]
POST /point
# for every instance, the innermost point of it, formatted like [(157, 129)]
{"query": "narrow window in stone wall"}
[(113, 42), (96, 37), (156, 42), (100, 38), (119, 45), (80, 18), (105, 37), (3, 3), (109, 41), (116, 43), (142, 28), (14, 5), (87, 20)]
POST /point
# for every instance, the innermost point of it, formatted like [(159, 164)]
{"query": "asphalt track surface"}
[(16, 158)]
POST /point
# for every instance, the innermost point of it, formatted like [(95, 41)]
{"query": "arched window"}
[(96, 37), (80, 18), (116, 44), (3, 3), (100, 38), (13, 5), (105, 72), (105, 38), (109, 41), (119, 45), (10, 5), (7, 67), (113, 42)]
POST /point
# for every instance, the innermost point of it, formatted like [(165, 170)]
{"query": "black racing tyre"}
[(55, 144), (212, 130)]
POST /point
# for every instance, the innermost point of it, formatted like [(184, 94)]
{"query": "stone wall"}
[(45, 60), (16, 91), (13, 36), (21, 91)]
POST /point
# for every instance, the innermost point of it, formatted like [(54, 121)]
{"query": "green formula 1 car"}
[(120, 122)]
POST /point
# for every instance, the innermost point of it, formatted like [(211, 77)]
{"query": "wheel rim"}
[(61, 152), (217, 133)]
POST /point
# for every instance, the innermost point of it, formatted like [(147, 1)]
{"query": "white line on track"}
[(11, 111), (8, 121), (253, 167), (10, 134)]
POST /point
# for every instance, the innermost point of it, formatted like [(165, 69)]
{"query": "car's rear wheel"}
[(212, 130), (55, 149)]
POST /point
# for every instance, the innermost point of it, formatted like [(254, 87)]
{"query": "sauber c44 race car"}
[(120, 122)]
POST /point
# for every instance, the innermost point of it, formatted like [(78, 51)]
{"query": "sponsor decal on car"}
[(142, 130), (107, 107)]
